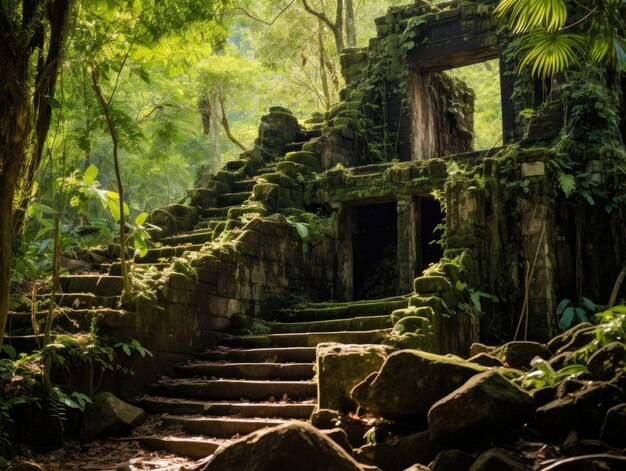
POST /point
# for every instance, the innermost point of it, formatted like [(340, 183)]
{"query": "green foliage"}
[(543, 375), (569, 314), (548, 44), (474, 305)]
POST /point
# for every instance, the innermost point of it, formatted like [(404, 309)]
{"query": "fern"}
[(567, 183)]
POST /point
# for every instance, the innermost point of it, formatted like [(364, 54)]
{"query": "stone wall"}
[(265, 267)]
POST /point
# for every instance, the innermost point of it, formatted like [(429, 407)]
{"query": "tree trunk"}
[(336, 27), (120, 188), (323, 74), (226, 126), (6, 248), (350, 24)]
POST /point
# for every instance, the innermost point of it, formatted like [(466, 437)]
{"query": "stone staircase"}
[(255, 381), (250, 381)]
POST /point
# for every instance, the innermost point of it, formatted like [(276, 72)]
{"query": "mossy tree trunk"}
[(32, 38)]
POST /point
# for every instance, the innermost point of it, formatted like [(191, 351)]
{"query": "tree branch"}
[(268, 23), (226, 125)]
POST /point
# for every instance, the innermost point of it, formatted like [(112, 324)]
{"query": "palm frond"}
[(526, 15), (550, 52)]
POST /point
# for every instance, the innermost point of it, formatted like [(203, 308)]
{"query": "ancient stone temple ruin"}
[(375, 224)]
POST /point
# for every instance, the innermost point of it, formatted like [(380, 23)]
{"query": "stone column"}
[(407, 243), (344, 272), (538, 276)]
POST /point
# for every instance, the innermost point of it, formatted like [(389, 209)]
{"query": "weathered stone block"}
[(341, 367)]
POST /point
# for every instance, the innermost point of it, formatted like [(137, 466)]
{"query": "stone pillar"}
[(538, 275), (407, 243), (344, 273)]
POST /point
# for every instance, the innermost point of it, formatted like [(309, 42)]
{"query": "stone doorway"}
[(375, 251)]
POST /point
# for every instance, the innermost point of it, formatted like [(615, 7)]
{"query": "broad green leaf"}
[(139, 220), (565, 321), (90, 174), (10, 351)]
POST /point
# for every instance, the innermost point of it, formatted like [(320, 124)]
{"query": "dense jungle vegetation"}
[(112, 108)]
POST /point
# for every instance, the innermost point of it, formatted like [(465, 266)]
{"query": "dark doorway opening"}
[(375, 246), (431, 232)]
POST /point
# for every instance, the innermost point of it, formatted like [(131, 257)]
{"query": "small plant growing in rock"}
[(569, 314)]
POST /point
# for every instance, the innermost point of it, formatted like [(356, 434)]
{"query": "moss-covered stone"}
[(410, 382), (341, 367), (432, 284), (308, 159), (485, 406)]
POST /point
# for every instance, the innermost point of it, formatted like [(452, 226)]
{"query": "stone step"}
[(140, 264), (244, 185), (286, 410), (307, 339), (330, 311), (234, 390), (290, 354), (80, 300), (265, 170), (208, 224), (286, 371), (217, 212), (294, 146), (234, 199), (220, 427), (155, 255), (311, 133), (71, 320), (99, 285), (195, 237), (194, 448), (355, 323)]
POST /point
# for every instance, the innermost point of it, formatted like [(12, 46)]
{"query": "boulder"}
[(497, 459), (397, 453), (341, 367), (326, 418), (559, 361), (605, 363), (294, 445), (614, 426), (452, 460), (418, 467), (478, 348), (485, 359), (410, 382), (109, 415), (340, 437), (520, 354), (565, 339), (485, 405), (432, 284), (582, 410)]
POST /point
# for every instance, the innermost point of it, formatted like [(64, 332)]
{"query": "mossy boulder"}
[(484, 406), (607, 361), (520, 354), (432, 284), (294, 445), (278, 128), (308, 159), (341, 367), (614, 426), (202, 197), (174, 218), (410, 382), (397, 453), (107, 416)]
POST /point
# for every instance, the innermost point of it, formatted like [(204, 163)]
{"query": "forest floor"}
[(123, 454)]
